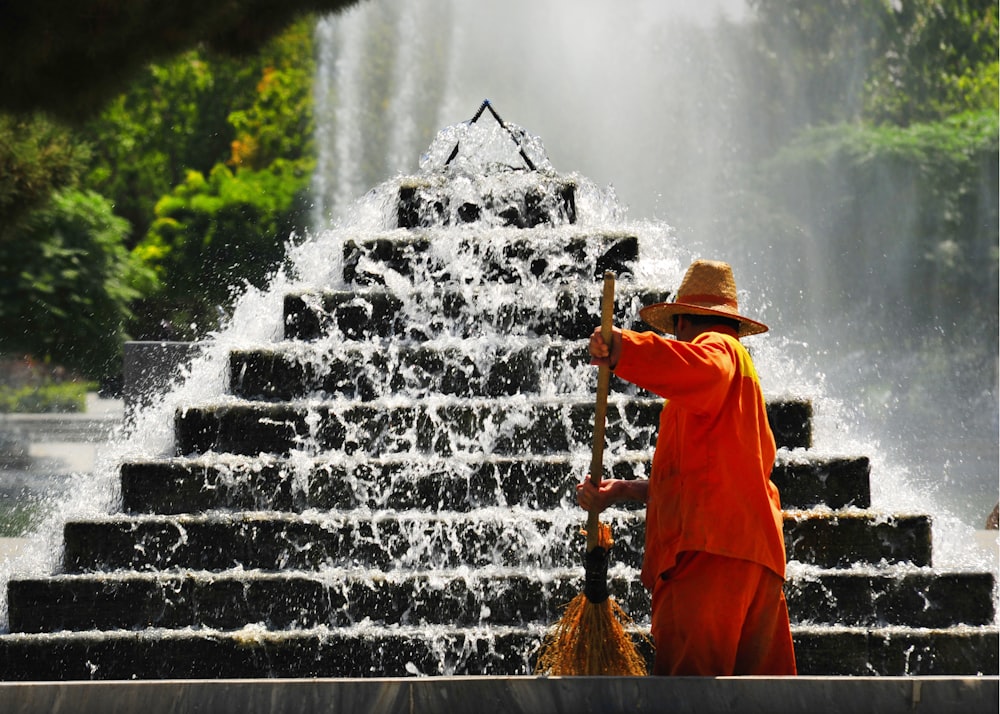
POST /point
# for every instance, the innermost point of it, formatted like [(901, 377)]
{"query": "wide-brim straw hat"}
[(708, 288)]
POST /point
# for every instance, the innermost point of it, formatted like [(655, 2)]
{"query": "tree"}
[(277, 122), (213, 235), (158, 154), (935, 59), (888, 61), (66, 282), (199, 110), (37, 157), (922, 197), (172, 120)]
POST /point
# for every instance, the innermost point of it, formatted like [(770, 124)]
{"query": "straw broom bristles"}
[(591, 638)]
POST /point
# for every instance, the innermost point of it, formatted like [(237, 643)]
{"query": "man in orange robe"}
[(715, 554)]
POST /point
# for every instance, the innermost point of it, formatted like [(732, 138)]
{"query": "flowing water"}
[(445, 58)]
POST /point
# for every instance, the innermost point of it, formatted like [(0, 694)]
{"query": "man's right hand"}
[(591, 497), (610, 492), (600, 353)]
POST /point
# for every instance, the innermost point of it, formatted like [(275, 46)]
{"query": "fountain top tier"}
[(486, 172)]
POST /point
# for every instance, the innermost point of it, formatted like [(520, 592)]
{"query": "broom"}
[(590, 637)]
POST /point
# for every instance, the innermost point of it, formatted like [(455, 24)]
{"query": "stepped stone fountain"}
[(387, 488)]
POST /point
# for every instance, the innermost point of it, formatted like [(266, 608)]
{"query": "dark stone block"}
[(549, 202), (134, 602), (171, 487), (831, 652), (294, 654), (836, 540), (618, 258), (915, 599), (453, 651), (194, 486), (397, 255), (273, 542), (283, 601), (412, 371), (378, 313), (239, 430), (791, 422), (302, 321), (356, 316), (933, 652), (547, 427), (836, 483)]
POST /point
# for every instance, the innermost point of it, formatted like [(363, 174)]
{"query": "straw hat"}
[(708, 288)]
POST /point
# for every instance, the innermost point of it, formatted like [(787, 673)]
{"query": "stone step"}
[(182, 485), (445, 426), (388, 541), (903, 596), (428, 312), (363, 650), (807, 481), (840, 539), (277, 484), (367, 371), (510, 258), (504, 537), (296, 600), (548, 201), (895, 651), (471, 369)]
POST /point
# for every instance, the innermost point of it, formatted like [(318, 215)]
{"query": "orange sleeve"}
[(696, 375)]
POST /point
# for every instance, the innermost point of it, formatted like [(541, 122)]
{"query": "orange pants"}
[(719, 616)]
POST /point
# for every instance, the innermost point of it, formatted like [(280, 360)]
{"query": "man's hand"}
[(600, 354), (610, 492), (591, 497)]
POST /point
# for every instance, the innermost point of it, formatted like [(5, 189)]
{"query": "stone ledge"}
[(701, 695)]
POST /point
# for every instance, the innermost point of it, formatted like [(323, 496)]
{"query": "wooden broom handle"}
[(601, 407)]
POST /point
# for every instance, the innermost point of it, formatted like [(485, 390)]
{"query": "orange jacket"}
[(709, 487)]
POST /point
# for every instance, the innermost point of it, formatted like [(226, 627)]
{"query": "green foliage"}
[(199, 110), (37, 157), (278, 122), (887, 61), (71, 282), (66, 281), (48, 397), (172, 119), (820, 51), (213, 235), (936, 59), (221, 227)]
